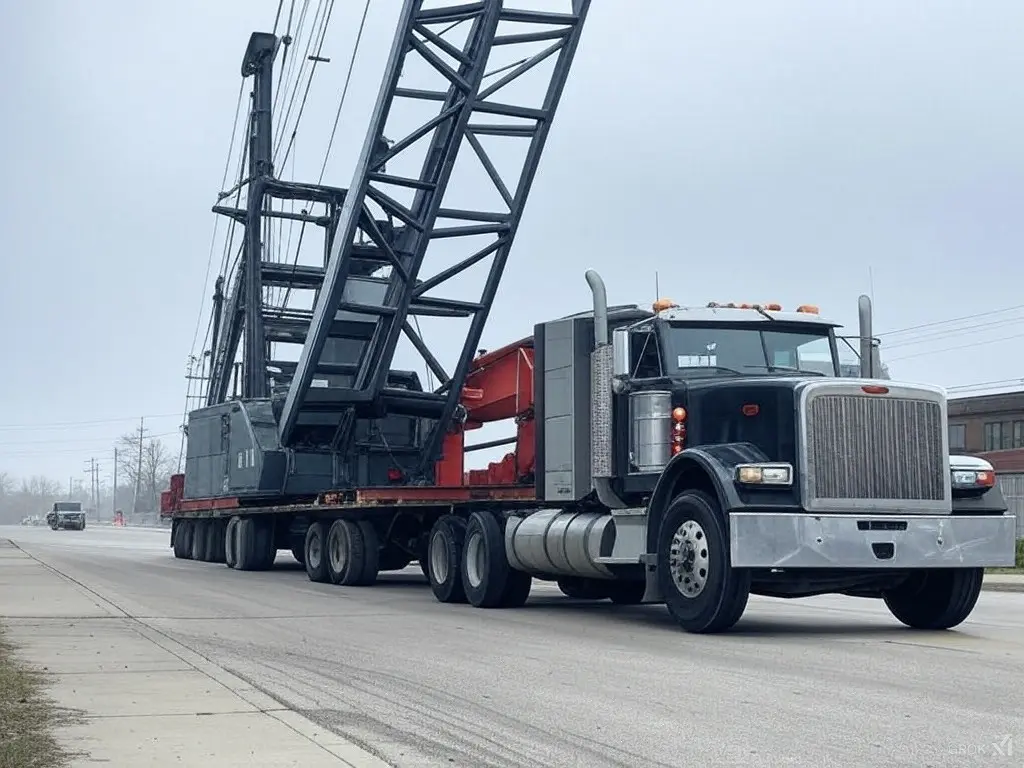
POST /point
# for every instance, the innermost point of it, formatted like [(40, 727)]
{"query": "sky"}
[(791, 151)]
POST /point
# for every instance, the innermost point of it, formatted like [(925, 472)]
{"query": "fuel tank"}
[(556, 543)]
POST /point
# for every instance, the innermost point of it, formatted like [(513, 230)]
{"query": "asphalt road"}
[(817, 682)]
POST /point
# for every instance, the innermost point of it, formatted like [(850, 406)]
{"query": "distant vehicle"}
[(66, 515)]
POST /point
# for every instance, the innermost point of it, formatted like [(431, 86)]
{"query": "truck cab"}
[(66, 515)]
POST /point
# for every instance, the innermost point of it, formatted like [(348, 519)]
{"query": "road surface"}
[(559, 683)]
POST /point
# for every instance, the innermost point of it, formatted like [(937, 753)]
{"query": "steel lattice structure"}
[(359, 244)]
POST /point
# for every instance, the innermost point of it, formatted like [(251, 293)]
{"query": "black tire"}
[(299, 551), (579, 588), (315, 553), (371, 554), (424, 568), (627, 592), (218, 554), (485, 568), (210, 531), (255, 544), (517, 589), (937, 598), (707, 594), (198, 540), (442, 564), (231, 543), (346, 553), (183, 540)]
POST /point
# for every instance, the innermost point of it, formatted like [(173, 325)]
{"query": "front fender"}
[(990, 502), (710, 468)]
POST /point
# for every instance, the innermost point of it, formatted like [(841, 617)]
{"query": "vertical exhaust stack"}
[(601, 364), (867, 339)]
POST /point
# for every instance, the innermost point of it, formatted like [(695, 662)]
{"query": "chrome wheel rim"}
[(476, 559), (439, 558), (688, 560)]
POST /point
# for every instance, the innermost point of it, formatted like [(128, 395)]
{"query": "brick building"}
[(989, 426)]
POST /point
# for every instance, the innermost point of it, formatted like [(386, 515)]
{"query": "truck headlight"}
[(971, 473), (773, 474)]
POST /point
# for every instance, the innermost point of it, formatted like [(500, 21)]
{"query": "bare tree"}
[(146, 464)]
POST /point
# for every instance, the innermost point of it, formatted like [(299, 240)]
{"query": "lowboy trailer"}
[(689, 456)]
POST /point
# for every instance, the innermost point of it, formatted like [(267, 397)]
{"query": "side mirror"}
[(620, 352)]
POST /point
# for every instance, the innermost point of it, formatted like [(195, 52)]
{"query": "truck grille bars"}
[(465, 109)]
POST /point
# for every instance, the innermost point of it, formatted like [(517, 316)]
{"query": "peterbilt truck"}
[(679, 455), (689, 456)]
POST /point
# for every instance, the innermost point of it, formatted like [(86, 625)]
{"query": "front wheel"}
[(936, 598), (701, 589)]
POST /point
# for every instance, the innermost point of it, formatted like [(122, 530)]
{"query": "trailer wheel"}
[(315, 553), (183, 539), (937, 598), (255, 544), (299, 552), (219, 553), (231, 543), (627, 592), (701, 589), (346, 553), (210, 532), (485, 568), (198, 540), (442, 564), (371, 554)]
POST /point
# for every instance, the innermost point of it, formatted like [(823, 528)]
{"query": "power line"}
[(951, 349), (938, 335), (952, 320), (62, 424)]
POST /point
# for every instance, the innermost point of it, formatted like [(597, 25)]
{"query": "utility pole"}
[(138, 468), (113, 501)]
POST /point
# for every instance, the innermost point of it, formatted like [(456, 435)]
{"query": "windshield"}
[(67, 506), (730, 350)]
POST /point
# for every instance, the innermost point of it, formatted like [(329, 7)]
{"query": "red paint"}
[(499, 387)]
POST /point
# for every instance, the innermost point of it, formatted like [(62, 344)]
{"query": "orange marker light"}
[(810, 309), (773, 307), (678, 414), (751, 409), (662, 304), (875, 389), (986, 479)]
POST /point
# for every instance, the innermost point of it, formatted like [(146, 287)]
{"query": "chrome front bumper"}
[(803, 540)]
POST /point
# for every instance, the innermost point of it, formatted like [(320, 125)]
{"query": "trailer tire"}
[(198, 540), (701, 589), (182, 539), (938, 598), (231, 543), (485, 568), (442, 563), (371, 554), (314, 556), (210, 531), (345, 553), (255, 545), (218, 553), (627, 592), (299, 552)]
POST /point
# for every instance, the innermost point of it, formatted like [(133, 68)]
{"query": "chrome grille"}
[(873, 447)]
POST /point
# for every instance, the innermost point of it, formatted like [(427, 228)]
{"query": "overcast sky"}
[(746, 151)]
